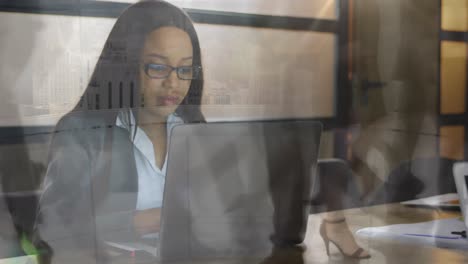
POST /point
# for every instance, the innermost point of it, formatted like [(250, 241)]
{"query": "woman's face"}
[(166, 46)]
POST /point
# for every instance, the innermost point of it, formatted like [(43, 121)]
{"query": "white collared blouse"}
[(151, 178)]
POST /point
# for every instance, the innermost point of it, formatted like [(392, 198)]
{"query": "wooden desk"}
[(382, 251)]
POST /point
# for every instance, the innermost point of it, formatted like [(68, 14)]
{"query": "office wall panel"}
[(452, 141), (455, 15), (453, 77)]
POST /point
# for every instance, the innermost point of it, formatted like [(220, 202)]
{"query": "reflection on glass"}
[(388, 147)]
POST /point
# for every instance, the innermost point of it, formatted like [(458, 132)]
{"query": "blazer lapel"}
[(122, 174)]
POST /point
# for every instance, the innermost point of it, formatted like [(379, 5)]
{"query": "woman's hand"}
[(147, 221)]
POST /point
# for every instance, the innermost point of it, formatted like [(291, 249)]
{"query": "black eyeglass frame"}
[(195, 69)]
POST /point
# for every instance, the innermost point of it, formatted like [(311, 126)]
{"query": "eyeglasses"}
[(161, 71)]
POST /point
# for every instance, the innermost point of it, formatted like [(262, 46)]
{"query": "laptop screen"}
[(466, 182), (234, 188)]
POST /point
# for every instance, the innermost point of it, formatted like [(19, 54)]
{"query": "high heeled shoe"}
[(323, 233)]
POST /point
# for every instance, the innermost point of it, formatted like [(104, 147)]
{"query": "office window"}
[(453, 77), (46, 63), (266, 73), (452, 140), (49, 67), (324, 9), (455, 15)]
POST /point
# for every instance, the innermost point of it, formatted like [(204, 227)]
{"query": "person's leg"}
[(287, 180), (290, 158), (334, 177), (337, 231), (366, 180)]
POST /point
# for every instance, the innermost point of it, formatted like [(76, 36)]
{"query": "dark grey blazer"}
[(90, 189)]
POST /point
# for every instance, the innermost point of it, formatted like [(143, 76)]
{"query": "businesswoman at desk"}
[(108, 154), (107, 162)]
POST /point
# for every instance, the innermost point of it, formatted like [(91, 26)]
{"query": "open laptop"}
[(233, 188)]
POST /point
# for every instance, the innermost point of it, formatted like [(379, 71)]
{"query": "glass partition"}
[(233, 131)]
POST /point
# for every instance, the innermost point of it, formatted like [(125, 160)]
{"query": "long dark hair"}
[(114, 83)]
